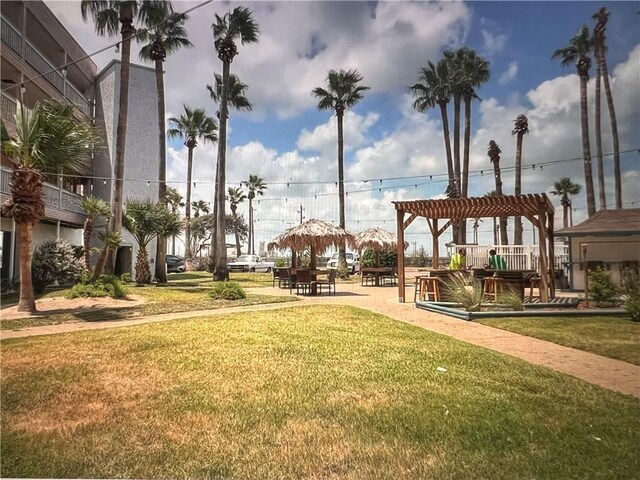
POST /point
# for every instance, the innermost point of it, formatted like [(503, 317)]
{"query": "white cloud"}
[(509, 74), (493, 42)]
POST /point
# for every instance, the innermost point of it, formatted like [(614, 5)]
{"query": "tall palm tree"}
[(521, 127), (577, 52), (433, 88), (174, 202), (602, 17), (238, 25), (494, 155), (564, 187), (236, 99), (48, 139), (200, 206), (256, 186), (342, 91), (147, 220), (457, 84), (93, 208), (191, 126), (236, 197), (164, 35), (111, 18), (602, 194)]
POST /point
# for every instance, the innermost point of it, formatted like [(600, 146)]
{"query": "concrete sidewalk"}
[(608, 373)]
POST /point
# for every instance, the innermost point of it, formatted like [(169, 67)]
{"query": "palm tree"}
[(147, 220), (174, 201), (165, 35), (236, 197), (111, 241), (494, 155), (564, 187), (256, 186), (342, 92), (521, 127), (602, 194), (93, 207), (434, 89), (113, 17), (237, 99), (193, 124), (227, 30), (48, 139), (602, 17), (200, 206), (578, 52)]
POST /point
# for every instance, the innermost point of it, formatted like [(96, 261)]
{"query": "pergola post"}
[(435, 246), (542, 245), (401, 277)]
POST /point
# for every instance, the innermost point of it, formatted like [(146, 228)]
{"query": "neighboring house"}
[(34, 42), (610, 239)]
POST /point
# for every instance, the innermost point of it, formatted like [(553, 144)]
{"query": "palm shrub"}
[(54, 260), (227, 291), (631, 289), (602, 290), (93, 207), (466, 292)]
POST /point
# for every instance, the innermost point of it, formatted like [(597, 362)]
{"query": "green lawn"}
[(614, 337), (322, 392)]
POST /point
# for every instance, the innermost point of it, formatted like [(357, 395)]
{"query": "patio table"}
[(377, 272)]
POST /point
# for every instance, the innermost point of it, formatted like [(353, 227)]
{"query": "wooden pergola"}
[(537, 208)]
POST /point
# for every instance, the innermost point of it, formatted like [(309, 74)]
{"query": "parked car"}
[(174, 263), (353, 262), (249, 263)]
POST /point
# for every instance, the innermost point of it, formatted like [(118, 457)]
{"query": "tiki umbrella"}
[(315, 234), (376, 239)]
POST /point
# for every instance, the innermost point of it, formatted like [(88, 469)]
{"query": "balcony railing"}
[(53, 195), (9, 107), (11, 36)]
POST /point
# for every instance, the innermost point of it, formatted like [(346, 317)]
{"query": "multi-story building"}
[(35, 48)]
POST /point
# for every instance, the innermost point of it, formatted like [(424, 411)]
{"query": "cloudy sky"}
[(392, 151)]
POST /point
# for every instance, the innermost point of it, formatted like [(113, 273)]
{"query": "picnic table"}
[(376, 273)]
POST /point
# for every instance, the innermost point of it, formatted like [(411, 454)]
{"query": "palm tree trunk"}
[(250, 240), (601, 188), (565, 208), (517, 228), (614, 130), (143, 271), (495, 231), (100, 262), (447, 148), (27, 302), (213, 249), (342, 262), (121, 131), (220, 272), (88, 231), (188, 260), (586, 149), (456, 140), (504, 235), (161, 242), (465, 158)]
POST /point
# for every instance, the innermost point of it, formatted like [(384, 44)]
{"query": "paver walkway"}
[(608, 373)]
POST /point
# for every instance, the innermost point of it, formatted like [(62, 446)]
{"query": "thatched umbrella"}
[(315, 234), (376, 239)]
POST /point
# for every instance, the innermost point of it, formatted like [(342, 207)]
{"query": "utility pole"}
[(300, 212)]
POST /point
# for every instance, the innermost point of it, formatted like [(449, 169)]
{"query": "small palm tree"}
[(494, 155), (236, 196), (256, 186), (562, 188), (342, 91), (174, 202), (602, 17), (164, 35), (192, 125), (238, 25), (48, 139), (200, 207), (93, 207), (111, 18), (521, 127), (577, 52), (110, 241), (146, 220)]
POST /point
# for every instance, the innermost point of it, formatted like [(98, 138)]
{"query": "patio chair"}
[(284, 278), (390, 278), (303, 281), (367, 278), (276, 275), (329, 282)]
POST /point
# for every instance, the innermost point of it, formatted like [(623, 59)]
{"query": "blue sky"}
[(285, 139)]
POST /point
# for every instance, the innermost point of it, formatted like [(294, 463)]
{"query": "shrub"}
[(54, 260), (602, 290), (126, 278), (511, 300), (388, 258), (103, 286), (227, 291), (465, 292), (280, 262), (631, 288)]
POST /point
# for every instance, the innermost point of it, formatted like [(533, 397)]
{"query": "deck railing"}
[(518, 257)]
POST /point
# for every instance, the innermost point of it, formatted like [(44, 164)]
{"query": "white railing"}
[(8, 106), (518, 257)]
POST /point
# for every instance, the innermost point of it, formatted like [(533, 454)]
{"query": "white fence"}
[(518, 257)]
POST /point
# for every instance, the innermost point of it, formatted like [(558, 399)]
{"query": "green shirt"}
[(497, 262)]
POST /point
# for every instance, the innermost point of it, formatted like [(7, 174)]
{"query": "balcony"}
[(11, 37), (60, 204)]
